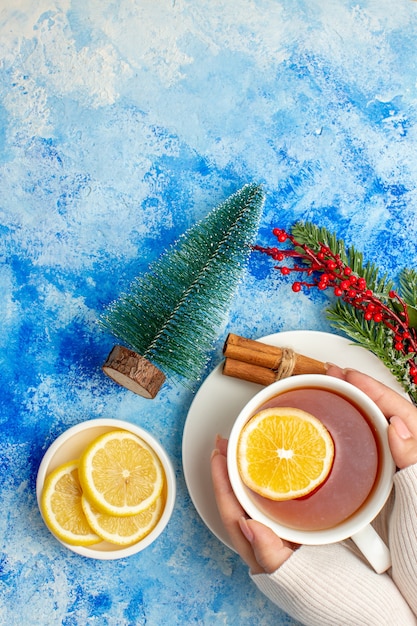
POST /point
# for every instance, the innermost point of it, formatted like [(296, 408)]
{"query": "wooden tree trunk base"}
[(133, 371)]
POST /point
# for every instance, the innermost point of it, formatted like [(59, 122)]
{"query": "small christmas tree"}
[(172, 315)]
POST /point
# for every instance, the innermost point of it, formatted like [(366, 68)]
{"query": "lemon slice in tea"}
[(284, 453)]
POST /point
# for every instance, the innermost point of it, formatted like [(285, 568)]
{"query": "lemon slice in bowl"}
[(60, 505), (126, 530), (284, 453), (120, 474)]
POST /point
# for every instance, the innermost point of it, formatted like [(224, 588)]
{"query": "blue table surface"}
[(121, 125)]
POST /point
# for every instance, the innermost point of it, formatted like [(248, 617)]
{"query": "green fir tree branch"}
[(313, 236), (377, 338)]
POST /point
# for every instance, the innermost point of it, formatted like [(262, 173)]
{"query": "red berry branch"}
[(324, 269)]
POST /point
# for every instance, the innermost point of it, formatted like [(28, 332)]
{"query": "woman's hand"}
[(401, 414), (258, 545)]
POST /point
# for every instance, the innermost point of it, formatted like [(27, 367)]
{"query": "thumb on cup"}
[(270, 551), (402, 442)]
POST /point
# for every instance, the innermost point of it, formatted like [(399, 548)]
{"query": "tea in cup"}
[(360, 478)]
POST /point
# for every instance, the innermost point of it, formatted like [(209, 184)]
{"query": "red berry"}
[(280, 234), (377, 317), (296, 287), (347, 271), (337, 291), (285, 271)]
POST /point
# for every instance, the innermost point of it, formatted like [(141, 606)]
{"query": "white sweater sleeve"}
[(328, 585), (403, 534)]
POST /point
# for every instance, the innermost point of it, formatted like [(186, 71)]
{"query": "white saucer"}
[(220, 399)]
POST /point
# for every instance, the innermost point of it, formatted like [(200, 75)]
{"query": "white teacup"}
[(358, 525)]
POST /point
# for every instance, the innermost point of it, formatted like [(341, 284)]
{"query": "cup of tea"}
[(361, 474)]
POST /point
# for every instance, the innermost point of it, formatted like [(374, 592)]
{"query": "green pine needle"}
[(408, 285), (173, 314), (313, 236)]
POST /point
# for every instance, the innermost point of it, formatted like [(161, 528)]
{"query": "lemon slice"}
[(120, 474), (60, 504), (125, 530), (284, 453)]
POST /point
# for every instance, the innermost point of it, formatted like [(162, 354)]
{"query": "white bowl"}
[(71, 444)]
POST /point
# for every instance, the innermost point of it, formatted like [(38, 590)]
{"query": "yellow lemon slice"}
[(125, 530), (120, 474), (284, 453), (60, 504)]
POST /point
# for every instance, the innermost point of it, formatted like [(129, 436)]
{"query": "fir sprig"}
[(314, 236), (408, 284), (367, 307), (172, 314)]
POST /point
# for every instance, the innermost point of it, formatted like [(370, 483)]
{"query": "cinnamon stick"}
[(265, 363), (247, 371)]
